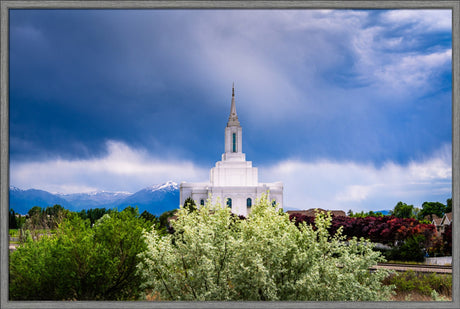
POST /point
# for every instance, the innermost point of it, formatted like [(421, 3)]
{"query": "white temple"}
[(233, 181)]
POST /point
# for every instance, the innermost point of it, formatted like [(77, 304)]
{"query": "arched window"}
[(202, 202), (234, 142), (249, 202), (229, 202)]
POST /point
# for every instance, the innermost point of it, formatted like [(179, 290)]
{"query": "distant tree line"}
[(428, 211), (38, 218), (403, 210), (407, 229)]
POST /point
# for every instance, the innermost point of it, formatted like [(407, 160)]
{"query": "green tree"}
[(81, 262), (214, 255), (164, 219), (147, 216), (12, 221), (54, 211), (402, 210), (190, 204), (432, 208), (93, 214), (53, 216), (44, 218), (36, 220), (448, 205), (36, 210), (412, 249)]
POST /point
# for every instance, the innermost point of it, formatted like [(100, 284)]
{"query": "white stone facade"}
[(233, 181)]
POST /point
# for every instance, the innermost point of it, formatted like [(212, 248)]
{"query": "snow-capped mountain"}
[(155, 199), (97, 199), (167, 186)]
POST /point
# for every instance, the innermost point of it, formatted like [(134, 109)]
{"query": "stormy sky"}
[(350, 109)]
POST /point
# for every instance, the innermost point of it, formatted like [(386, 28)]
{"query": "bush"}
[(410, 250), (213, 255), (425, 284), (81, 262)]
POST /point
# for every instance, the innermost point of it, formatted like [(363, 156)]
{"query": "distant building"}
[(442, 223), (233, 181), (436, 221), (312, 212)]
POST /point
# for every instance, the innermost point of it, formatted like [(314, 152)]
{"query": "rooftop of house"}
[(436, 221), (447, 218)]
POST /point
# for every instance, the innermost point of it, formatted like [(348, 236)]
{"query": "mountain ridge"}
[(156, 199)]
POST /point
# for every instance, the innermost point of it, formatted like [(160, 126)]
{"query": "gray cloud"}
[(368, 87)]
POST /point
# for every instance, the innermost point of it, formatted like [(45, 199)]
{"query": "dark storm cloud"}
[(88, 76), (344, 85), (346, 107)]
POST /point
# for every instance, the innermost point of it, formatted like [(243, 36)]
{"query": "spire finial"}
[(233, 118)]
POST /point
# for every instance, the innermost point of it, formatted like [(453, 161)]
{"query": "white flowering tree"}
[(214, 255)]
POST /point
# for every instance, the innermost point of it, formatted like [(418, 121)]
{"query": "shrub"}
[(81, 262), (425, 284), (213, 255), (410, 250)]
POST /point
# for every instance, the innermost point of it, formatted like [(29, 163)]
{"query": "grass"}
[(415, 286), (406, 296), (13, 232)]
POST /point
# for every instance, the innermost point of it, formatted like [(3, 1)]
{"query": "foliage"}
[(147, 216), (81, 262), (435, 296), (449, 205), (216, 256), (442, 245), (447, 240), (383, 229), (12, 224), (432, 208), (36, 210), (92, 214), (54, 211), (398, 232), (363, 214), (164, 220), (402, 210), (44, 218), (422, 283), (190, 204), (412, 249)]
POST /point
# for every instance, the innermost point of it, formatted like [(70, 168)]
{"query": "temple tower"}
[(233, 180)]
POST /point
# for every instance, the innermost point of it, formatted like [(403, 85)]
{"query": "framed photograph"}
[(204, 153)]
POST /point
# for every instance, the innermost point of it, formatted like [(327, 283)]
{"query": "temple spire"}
[(233, 118)]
